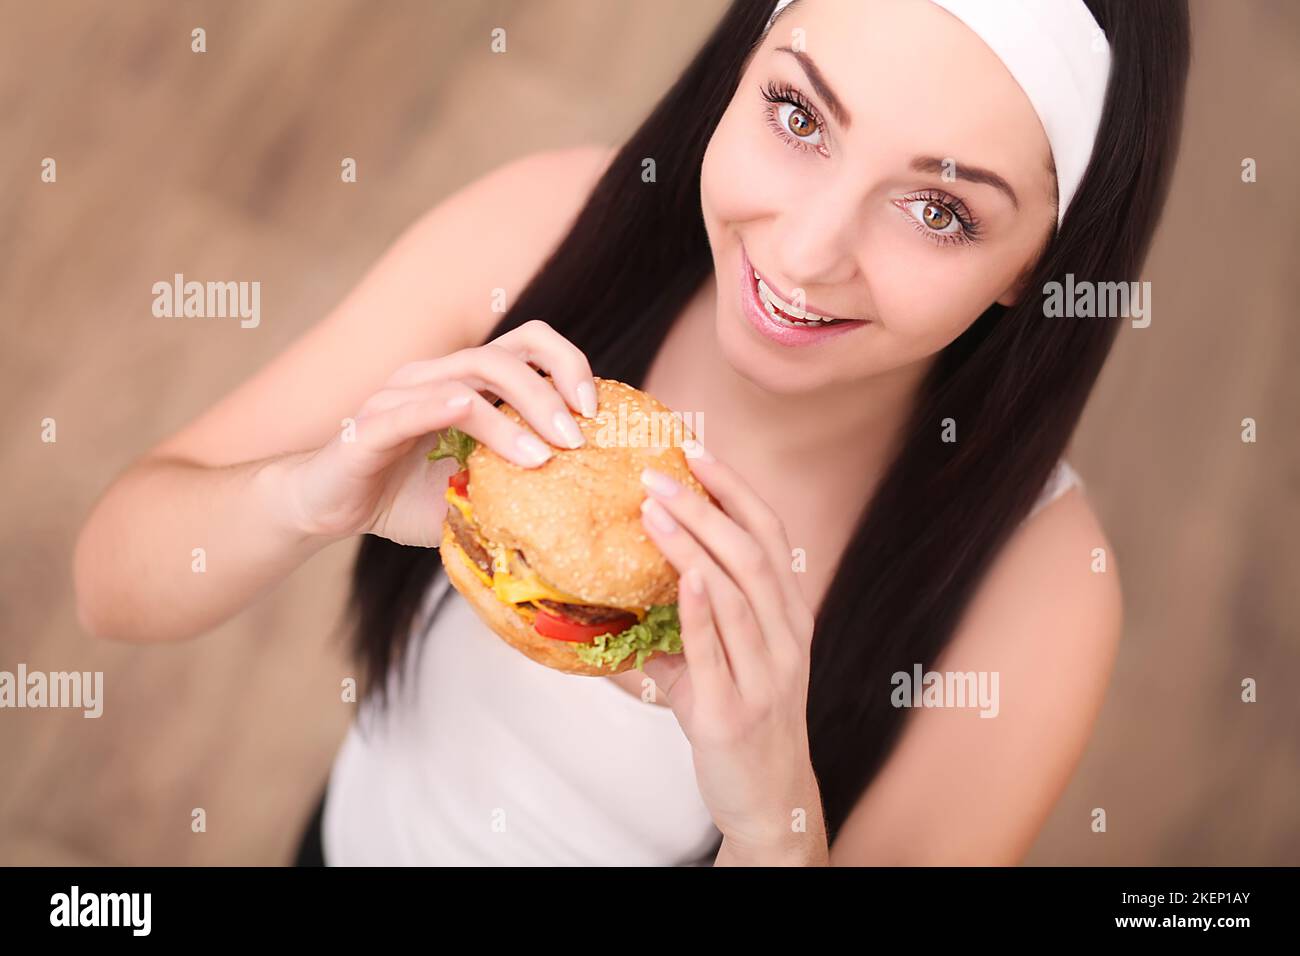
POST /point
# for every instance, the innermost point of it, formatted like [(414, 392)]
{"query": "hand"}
[(380, 481), (740, 690)]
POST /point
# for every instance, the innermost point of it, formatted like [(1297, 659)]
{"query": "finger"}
[(498, 370), (752, 513), (393, 422), (731, 546), (702, 646), (738, 631), (538, 343), (391, 397), (666, 670)]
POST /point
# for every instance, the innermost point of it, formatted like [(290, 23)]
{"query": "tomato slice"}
[(459, 482), (562, 629)]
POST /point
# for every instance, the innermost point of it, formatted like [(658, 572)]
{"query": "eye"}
[(798, 122), (793, 118), (943, 219), (935, 216)]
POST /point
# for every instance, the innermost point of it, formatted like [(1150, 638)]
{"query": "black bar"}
[(236, 904)]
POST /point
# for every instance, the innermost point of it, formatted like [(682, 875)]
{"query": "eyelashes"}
[(927, 206), (784, 105)]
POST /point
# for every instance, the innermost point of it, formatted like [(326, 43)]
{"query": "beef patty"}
[(584, 613), (468, 539)]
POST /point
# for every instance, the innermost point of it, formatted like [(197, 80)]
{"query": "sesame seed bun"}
[(577, 518)]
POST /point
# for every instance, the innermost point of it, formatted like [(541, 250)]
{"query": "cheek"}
[(927, 295), (736, 177)]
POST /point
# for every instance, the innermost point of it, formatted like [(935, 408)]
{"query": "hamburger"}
[(554, 559)]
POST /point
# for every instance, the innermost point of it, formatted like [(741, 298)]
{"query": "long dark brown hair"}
[(1015, 382)]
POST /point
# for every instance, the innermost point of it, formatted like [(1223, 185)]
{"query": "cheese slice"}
[(460, 502), (516, 588), (469, 563)]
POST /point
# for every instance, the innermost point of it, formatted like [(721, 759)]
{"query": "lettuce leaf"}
[(660, 631), (453, 443)]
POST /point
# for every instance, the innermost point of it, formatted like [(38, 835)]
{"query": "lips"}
[(786, 311), (751, 303)]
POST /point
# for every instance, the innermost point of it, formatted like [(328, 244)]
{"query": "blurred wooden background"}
[(226, 164)]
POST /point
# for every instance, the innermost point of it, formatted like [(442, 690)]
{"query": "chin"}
[(755, 362)]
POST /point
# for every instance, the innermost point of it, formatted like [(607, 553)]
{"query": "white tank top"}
[(484, 757)]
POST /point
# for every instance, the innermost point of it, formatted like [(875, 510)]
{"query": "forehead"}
[(916, 81)]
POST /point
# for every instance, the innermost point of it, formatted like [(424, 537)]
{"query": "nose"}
[(817, 240)]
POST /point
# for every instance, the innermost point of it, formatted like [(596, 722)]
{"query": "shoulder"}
[(1042, 630), (571, 169), (1063, 548), (1051, 600), (496, 231), (544, 185), (1059, 557), (539, 193)]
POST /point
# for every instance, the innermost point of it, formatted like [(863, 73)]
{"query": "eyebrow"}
[(920, 164), (974, 174), (820, 85)]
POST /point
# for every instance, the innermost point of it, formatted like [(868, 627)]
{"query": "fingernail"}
[(568, 428), (458, 401), (658, 516), (693, 449), (532, 449), (659, 483), (587, 399)]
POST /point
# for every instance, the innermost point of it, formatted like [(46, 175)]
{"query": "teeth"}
[(773, 302)]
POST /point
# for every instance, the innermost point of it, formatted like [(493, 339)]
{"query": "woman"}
[(894, 497)]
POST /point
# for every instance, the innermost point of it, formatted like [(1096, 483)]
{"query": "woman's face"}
[(892, 173)]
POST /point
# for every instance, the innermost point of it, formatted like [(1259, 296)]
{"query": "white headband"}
[(1059, 56)]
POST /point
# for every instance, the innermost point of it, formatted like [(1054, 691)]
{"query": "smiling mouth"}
[(787, 314)]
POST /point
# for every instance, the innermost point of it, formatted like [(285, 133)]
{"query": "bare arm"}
[(961, 789), (220, 484), (174, 547)]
